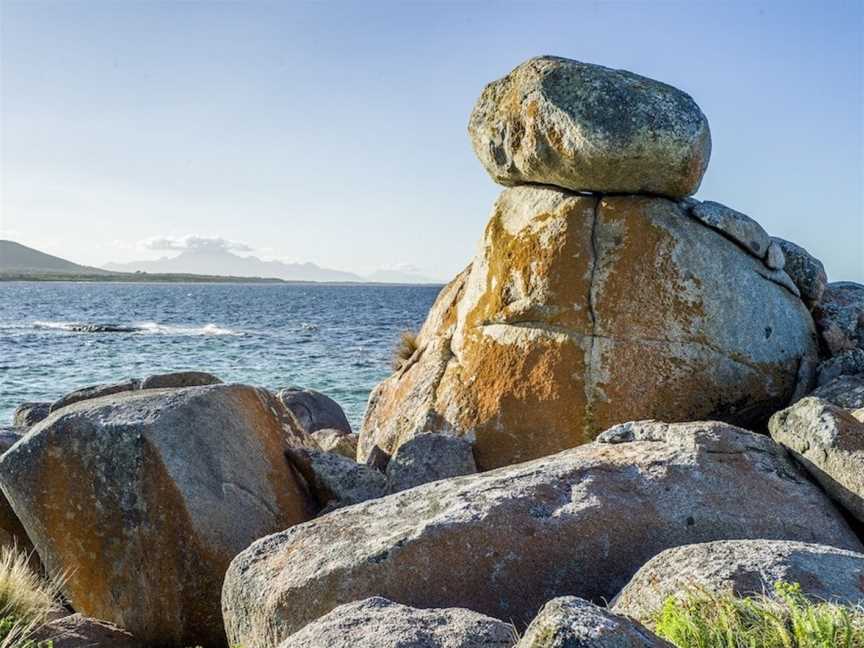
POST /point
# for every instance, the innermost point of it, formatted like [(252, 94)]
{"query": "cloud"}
[(403, 267), (195, 243)]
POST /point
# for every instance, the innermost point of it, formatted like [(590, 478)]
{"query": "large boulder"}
[(314, 410), (29, 414), (12, 533), (571, 622), (428, 458), (806, 271), (590, 128), (581, 312), (743, 568), (829, 442), (379, 623), (840, 316), (142, 500), (506, 541)]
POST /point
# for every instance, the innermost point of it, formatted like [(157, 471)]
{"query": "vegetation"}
[(405, 348), (784, 619), (26, 600)]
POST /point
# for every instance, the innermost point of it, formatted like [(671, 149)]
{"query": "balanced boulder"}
[(314, 410), (743, 568), (580, 312), (586, 127), (379, 623), (829, 442), (143, 499), (505, 542)]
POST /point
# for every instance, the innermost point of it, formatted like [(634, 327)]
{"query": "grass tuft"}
[(405, 348), (26, 600), (784, 619)]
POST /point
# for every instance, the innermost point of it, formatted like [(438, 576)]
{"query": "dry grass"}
[(405, 348), (26, 599)]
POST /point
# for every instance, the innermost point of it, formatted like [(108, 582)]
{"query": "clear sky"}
[(336, 132)]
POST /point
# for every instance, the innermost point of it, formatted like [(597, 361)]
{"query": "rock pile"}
[(600, 293)]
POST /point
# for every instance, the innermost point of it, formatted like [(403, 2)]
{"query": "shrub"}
[(26, 600), (785, 619), (405, 348)]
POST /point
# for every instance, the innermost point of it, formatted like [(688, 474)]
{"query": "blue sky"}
[(336, 132)]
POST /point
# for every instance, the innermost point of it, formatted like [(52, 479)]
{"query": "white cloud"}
[(403, 267), (194, 242)]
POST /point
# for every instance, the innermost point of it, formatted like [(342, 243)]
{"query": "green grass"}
[(784, 619)]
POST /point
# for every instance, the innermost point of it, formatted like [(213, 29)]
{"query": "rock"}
[(806, 271), (742, 568), (846, 392), (96, 391), (314, 410), (336, 480), (428, 458), (582, 312), (735, 226), (78, 631), (571, 621), (179, 379), (29, 414), (144, 499), (774, 258), (12, 533), (336, 441), (507, 541), (829, 442), (378, 459), (585, 127), (379, 623), (840, 316), (845, 363)]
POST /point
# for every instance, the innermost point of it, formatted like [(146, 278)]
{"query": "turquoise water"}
[(337, 339)]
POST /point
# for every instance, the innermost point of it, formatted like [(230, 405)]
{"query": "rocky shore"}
[(626, 395)]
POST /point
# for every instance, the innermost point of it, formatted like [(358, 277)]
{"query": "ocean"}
[(334, 338)]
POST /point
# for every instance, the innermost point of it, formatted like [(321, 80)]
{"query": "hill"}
[(17, 258)]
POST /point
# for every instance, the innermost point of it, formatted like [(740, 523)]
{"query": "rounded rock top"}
[(585, 127)]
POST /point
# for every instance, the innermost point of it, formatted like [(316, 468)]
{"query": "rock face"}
[(806, 271), (96, 391), (144, 499), (336, 480), (12, 533), (840, 316), (428, 458), (77, 631), (505, 542), (573, 622), (29, 414), (829, 442), (179, 379), (379, 623), (314, 410), (845, 363), (734, 225), (336, 441), (846, 392), (589, 128), (581, 312), (743, 568)]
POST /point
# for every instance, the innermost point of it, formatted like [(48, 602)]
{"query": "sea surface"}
[(337, 339)]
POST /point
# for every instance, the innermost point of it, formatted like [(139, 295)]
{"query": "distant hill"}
[(223, 262), (18, 258)]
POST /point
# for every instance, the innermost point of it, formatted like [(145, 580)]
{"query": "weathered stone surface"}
[(734, 225), (569, 621), (845, 363), (743, 568), (143, 499), (428, 458), (840, 316), (806, 271), (379, 623), (29, 414), (505, 542), (78, 631), (336, 480), (774, 257), (829, 442), (585, 127), (337, 441), (96, 391), (846, 392), (12, 533), (179, 379), (579, 313), (314, 410)]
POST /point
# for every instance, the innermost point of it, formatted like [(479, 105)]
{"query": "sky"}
[(335, 132)]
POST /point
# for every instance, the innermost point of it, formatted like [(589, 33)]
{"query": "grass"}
[(26, 600), (784, 619), (405, 348)]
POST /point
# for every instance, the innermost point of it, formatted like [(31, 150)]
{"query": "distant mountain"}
[(223, 262), (18, 258), (402, 277)]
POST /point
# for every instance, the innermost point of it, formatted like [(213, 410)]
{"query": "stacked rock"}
[(601, 292)]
